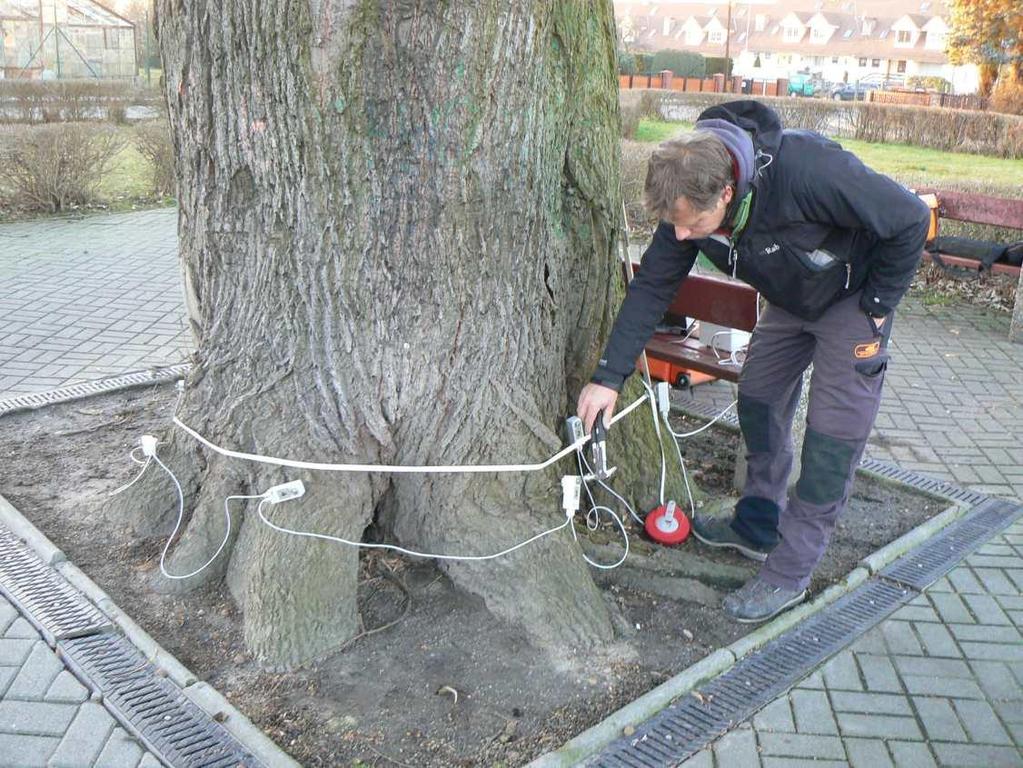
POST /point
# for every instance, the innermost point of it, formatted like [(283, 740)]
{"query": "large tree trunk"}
[(398, 224)]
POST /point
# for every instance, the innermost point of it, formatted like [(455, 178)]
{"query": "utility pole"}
[(728, 48)]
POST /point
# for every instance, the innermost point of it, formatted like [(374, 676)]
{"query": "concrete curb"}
[(24, 530), (634, 713), (895, 549), (603, 733), (208, 699)]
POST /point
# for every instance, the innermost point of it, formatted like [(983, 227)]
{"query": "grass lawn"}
[(910, 165), (129, 175)]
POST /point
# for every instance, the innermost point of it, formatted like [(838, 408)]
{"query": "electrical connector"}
[(571, 491), (574, 428), (285, 492), (661, 389), (149, 446)]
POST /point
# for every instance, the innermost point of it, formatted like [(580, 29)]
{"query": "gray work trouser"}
[(849, 357)]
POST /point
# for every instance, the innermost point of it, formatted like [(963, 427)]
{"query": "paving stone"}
[(996, 680), (702, 759), (776, 716), (949, 687), (737, 747), (14, 651), (939, 719), (993, 651), (23, 751), (37, 674), (802, 745), (21, 630), (148, 761), (867, 753), (67, 688), (813, 712), (870, 703), (981, 722), (85, 737), (35, 718), (911, 754), (879, 673), (981, 633), (841, 673), (986, 609), (950, 608), (918, 665), (878, 726), (899, 638), (8, 613), (937, 640), (978, 755)]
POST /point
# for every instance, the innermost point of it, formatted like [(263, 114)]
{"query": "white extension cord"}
[(571, 488)]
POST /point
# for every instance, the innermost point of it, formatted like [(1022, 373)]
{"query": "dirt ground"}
[(448, 684)]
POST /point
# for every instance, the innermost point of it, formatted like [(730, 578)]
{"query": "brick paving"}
[(82, 299), (953, 401), (47, 717), (939, 683)]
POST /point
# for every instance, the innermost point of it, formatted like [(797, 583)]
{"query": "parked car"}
[(852, 92), (801, 85)]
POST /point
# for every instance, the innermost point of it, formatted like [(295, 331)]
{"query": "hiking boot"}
[(717, 532), (756, 600)]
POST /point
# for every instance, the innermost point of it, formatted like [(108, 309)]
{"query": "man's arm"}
[(666, 262), (845, 193)]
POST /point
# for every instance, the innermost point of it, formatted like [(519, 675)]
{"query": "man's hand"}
[(592, 400)]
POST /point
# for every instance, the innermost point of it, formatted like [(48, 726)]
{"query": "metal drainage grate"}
[(101, 386), (931, 560), (932, 485), (153, 707), (705, 411), (57, 609), (689, 724)]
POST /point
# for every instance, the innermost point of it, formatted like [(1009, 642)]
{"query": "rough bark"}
[(397, 224)]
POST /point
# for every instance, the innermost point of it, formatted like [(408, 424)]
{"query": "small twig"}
[(84, 430)]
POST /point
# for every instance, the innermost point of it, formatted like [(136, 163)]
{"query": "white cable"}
[(402, 468), (710, 423), (145, 466), (685, 475), (625, 536), (363, 545), (660, 445), (177, 526)]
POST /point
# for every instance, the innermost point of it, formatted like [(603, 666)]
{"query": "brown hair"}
[(694, 165)]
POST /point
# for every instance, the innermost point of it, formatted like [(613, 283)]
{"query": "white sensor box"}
[(723, 339)]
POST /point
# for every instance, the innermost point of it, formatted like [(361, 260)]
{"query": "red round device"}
[(667, 524)]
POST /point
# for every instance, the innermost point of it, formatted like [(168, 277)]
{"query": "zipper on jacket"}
[(733, 256), (848, 274)]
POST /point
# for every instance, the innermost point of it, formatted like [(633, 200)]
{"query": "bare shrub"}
[(153, 142), (1008, 96), (51, 167), (634, 161)]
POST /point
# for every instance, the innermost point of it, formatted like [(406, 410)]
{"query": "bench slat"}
[(979, 209)]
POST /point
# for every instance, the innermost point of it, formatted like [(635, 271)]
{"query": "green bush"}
[(153, 142), (949, 130), (54, 167), (682, 63)]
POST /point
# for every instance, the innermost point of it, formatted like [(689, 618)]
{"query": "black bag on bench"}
[(984, 251)]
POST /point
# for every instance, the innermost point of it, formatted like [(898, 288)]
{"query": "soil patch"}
[(447, 684)]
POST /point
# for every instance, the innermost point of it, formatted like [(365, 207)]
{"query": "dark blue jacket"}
[(821, 227)]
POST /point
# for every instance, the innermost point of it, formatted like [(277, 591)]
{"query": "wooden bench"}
[(974, 209), (710, 299)]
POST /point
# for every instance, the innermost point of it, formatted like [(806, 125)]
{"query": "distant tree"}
[(626, 63), (643, 63), (988, 33), (682, 63)]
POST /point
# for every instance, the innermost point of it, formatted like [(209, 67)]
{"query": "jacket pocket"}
[(802, 282)]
